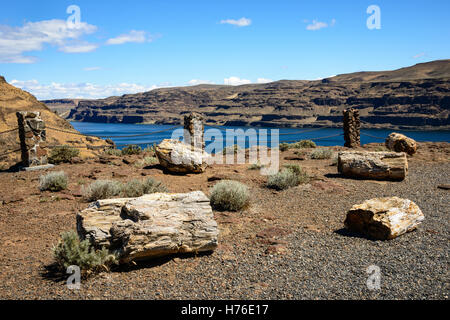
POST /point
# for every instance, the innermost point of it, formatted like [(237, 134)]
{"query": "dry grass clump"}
[(291, 176), (297, 145), (229, 195), (322, 153), (71, 251), (101, 189), (53, 181), (137, 188), (61, 154), (131, 149)]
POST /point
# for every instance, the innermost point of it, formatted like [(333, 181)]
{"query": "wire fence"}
[(151, 142)]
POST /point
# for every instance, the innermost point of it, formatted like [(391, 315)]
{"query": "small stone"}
[(400, 143)]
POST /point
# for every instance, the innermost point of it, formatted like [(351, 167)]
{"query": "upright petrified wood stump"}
[(150, 226), (32, 138), (373, 165), (193, 134), (352, 127)]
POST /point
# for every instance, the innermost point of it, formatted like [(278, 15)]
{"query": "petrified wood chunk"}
[(401, 143), (384, 218), (373, 165), (176, 156), (152, 225)]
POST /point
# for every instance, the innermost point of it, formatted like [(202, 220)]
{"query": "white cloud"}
[(235, 81), (91, 68), (242, 22), (263, 80), (132, 36), (32, 36), (419, 55), (317, 25), (195, 82), (79, 47), (79, 90)]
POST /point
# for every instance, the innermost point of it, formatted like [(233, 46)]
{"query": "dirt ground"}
[(268, 251)]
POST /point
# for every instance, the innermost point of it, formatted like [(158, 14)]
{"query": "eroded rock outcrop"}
[(150, 226), (384, 218), (400, 143), (177, 156), (373, 165)]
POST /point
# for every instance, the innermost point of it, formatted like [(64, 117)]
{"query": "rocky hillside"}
[(412, 97), (13, 99)]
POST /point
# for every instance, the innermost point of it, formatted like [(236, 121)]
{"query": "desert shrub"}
[(101, 189), (71, 251), (147, 161), (60, 154), (255, 166), (231, 149), (137, 188), (282, 180), (321, 154), (131, 149), (113, 152), (303, 144), (302, 176), (149, 149), (283, 146), (151, 185), (53, 181), (229, 195)]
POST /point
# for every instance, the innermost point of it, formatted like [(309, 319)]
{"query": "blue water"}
[(286, 134)]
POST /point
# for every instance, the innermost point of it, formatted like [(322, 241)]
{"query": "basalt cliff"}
[(408, 98)]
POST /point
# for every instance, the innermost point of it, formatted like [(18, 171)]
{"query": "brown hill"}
[(13, 99), (412, 97)]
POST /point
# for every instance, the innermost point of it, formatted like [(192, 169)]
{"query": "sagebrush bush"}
[(147, 161), (150, 149), (113, 152), (60, 154), (302, 176), (229, 195), (303, 144), (53, 181), (101, 189), (137, 188), (282, 180), (256, 166), (71, 251), (131, 149), (321, 154), (283, 146)]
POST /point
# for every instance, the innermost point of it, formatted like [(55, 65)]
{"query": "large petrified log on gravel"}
[(177, 156), (373, 165), (384, 218), (152, 225), (400, 143)]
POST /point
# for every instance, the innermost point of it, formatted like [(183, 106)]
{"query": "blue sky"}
[(131, 46)]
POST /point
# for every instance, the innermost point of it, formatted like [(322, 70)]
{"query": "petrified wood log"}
[(373, 165), (150, 226)]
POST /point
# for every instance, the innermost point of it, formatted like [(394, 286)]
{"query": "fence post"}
[(193, 130), (352, 127), (32, 137)]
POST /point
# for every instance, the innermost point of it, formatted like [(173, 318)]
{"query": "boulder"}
[(373, 165), (400, 143), (150, 226), (177, 156), (384, 218)]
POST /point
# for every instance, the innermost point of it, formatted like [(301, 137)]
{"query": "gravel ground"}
[(287, 245)]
